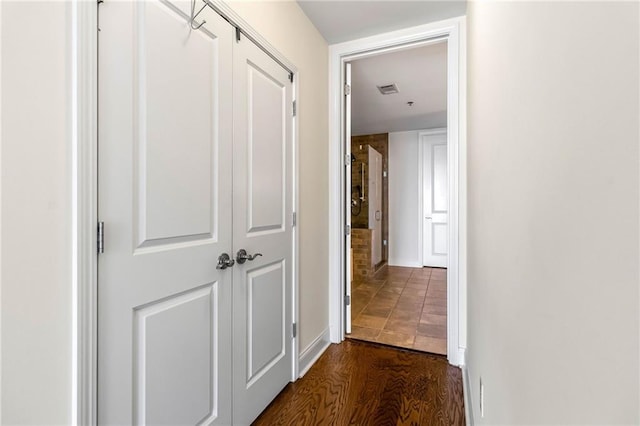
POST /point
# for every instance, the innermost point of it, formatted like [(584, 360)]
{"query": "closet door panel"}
[(262, 180), (165, 153)]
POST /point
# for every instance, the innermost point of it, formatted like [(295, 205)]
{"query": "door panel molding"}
[(433, 251), (187, 302)]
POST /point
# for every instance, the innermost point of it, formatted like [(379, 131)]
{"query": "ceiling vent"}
[(388, 89)]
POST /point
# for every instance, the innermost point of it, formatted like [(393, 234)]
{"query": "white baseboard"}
[(466, 391), (311, 353), (461, 357), (404, 263)]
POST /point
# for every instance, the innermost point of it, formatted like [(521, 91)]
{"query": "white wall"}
[(405, 211), (35, 214), (289, 30), (553, 224)]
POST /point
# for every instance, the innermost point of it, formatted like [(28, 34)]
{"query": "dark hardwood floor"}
[(360, 383)]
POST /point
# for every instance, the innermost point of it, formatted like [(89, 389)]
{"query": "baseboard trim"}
[(462, 357), (466, 392), (409, 264), (311, 353)]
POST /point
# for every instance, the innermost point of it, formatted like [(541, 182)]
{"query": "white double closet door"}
[(195, 160)]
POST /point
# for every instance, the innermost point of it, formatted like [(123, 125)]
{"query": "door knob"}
[(225, 261), (242, 256)]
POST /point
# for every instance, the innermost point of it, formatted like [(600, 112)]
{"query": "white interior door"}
[(164, 310), (347, 193), (375, 204), (262, 203), (435, 199)]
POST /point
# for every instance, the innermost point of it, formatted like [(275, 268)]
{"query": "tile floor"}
[(404, 307)]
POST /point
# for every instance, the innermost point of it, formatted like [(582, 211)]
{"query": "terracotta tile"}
[(357, 308), (362, 293), (379, 302), (422, 285), (409, 304), (364, 332), (419, 279), (438, 294), (394, 276), (392, 289), (433, 319), (386, 294), (399, 269), (417, 294), (412, 315), (429, 344), (396, 339), (432, 330), (437, 301), (434, 309), (371, 287), (370, 321), (438, 285), (401, 326), (439, 276), (377, 311)]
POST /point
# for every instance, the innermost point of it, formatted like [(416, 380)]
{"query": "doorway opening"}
[(397, 248), (452, 34)]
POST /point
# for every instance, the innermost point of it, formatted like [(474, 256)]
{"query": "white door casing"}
[(454, 31), (435, 199), (375, 205), (262, 223), (348, 197), (164, 324)]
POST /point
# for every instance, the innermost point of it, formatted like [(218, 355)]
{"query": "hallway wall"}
[(405, 211), (553, 184), (35, 189)]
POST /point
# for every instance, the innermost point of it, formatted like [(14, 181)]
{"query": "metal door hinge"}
[(100, 237), (238, 32), (347, 230), (294, 329), (295, 105), (294, 219), (291, 77), (347, 159), (347, 89), (347, 300)]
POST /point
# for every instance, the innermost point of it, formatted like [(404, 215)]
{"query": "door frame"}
[(421, 133), (83, 122), (454, 31)]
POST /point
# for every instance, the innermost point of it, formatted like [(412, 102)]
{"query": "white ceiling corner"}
[(340, 21)]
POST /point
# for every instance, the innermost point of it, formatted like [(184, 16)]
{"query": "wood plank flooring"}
[(361, 383)]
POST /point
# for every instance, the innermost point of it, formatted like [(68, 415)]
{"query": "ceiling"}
[(421, 76), (340, 21)]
